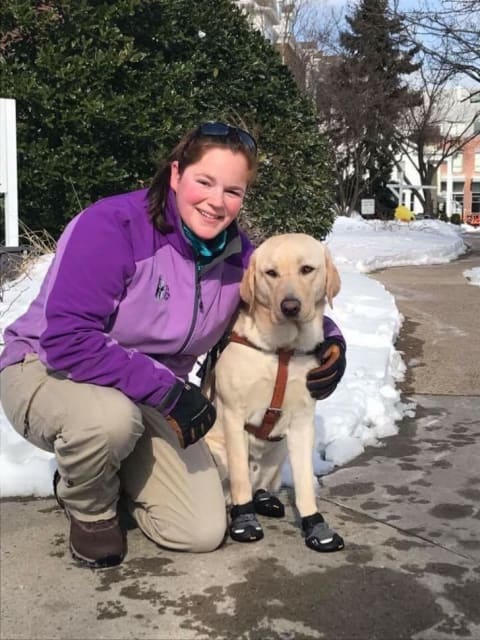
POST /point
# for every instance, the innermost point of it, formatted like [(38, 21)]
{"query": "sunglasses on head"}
[(222, 130)]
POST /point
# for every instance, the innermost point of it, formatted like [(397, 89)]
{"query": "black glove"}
[(323, 380), (192, 416)]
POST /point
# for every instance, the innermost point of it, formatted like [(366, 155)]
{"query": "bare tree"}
[(449, 34), (343, 122), (308, 32), (436, 129)]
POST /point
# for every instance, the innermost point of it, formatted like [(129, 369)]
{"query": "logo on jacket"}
[(163, 291)]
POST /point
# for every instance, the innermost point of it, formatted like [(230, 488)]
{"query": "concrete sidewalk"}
[(410, 569), (408, 510)]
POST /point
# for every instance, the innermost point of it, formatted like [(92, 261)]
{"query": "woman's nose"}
[(216, 198)]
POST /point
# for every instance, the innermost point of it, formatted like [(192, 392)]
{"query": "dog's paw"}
[(319, 536), (244, 526), (267, 505)]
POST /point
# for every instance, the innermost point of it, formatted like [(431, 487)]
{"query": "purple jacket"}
[(125, 306)]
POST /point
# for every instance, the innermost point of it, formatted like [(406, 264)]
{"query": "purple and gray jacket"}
[(125, 306)]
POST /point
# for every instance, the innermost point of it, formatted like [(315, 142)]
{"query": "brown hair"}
[(190, 150)]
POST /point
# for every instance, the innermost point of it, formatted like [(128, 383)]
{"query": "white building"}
[(274, 19), (264, 15)]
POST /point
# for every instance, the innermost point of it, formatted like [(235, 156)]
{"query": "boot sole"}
[(100, 563)]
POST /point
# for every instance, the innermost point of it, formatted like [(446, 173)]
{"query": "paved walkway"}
[(409, 512)]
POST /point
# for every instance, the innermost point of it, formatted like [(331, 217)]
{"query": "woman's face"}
[(210, 192)]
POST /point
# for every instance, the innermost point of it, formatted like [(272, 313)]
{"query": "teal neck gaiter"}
[(206, 250)]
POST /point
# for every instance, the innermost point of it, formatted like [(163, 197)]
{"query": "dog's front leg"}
[(244, 526), (300, 438), (317, 533), (236, 442)]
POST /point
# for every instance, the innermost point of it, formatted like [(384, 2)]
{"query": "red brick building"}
[(463, 169)]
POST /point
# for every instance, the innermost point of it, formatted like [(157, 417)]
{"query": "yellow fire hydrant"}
[(404, 214)]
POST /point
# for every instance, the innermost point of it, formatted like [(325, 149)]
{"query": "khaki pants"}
[(101, 439)]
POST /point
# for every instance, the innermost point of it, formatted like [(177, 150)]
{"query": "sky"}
[(366, 407), (403, 5)]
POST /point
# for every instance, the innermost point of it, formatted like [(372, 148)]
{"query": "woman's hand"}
[(322, 381), (192, 416)]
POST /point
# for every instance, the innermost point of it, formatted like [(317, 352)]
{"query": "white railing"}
[(8, 169)]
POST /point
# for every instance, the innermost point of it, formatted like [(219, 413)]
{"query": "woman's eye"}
[(306, 269), (271, 273)]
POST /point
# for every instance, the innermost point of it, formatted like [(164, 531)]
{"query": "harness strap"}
[(274, 412)]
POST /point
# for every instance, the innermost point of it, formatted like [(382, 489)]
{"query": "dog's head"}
[(291, 275)]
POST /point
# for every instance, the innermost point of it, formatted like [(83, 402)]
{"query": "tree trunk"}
[(428, 206)]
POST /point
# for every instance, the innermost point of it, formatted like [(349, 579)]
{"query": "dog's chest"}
[(249, 376)]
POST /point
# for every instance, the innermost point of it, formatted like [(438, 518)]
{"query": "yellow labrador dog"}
[(284, 292)]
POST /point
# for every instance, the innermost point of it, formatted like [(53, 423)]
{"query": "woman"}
[(96, 370)]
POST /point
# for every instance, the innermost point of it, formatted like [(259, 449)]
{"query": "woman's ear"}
[(174, 175), (247, 285), (333, 278)]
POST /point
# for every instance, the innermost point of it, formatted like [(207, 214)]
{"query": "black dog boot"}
[(319, 536), (267, 505), (244, 526)]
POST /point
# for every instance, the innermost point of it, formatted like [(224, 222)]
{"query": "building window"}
[(457, 196), (475, 202), (475, 197), (457, 162), (458, 203), (477, 161)]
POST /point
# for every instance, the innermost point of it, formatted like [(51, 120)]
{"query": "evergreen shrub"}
[(103, 89), (456, 218)]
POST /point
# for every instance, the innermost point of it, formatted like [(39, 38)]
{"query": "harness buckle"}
[(275, 438)]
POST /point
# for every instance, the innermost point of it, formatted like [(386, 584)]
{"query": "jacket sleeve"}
[(92, 268), (331, 330)]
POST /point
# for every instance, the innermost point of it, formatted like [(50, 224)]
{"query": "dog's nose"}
[(290, 307)]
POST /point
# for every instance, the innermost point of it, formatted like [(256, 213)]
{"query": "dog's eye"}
[(271, 273), (306, 269)]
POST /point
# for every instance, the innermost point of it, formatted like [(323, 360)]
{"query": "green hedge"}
[(104, 88), (456, 218)]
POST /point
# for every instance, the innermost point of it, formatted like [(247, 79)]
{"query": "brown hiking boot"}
[(99, 544)]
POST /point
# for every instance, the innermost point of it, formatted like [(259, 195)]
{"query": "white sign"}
[(367, 206), (8, 169)]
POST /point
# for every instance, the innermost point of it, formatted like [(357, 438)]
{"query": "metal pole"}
[(449, 195), (400, 184)]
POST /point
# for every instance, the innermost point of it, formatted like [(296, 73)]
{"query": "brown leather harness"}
[(274, 411)]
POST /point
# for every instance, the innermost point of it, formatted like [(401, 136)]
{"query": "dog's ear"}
[(247, 285), (333, 278)]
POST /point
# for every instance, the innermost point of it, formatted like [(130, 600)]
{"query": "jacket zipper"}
[(197, 305), (198, 288)]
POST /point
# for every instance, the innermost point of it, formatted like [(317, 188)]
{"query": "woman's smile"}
[(210, 216)]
